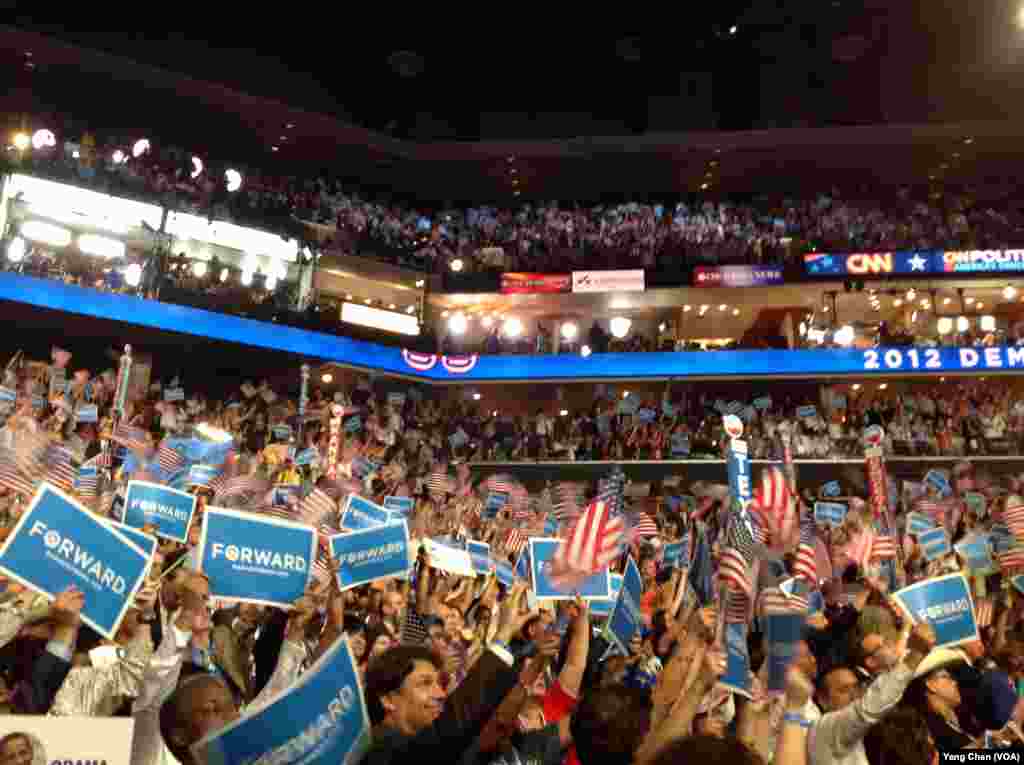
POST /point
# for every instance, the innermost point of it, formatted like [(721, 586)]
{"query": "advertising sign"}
[(609, 281), (737, 276), (535, 284)]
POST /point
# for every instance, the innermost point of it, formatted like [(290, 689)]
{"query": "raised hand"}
[(67, 606)]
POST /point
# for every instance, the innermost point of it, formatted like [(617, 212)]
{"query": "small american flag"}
[(57, 468), (515, 542), (1011, 559), (773, 505), (170, 461), (805, 565), (984, 610), (774, 601), (1013, 517), (737, 556), (439, 483), (737, 607), (242, 486), (599, 534), (883, 547), (12, 478), (644, 526), (316, 506), (89, 478), (130, 437)]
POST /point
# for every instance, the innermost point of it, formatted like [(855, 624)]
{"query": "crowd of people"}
[(551, 236), (471, 669)]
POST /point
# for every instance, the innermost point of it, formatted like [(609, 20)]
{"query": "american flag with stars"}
[(169, 460), (316, 507), (132, 438), (1013, 517), (737, 556), (805, 565)]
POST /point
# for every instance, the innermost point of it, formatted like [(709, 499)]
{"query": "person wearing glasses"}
[(936, 693)]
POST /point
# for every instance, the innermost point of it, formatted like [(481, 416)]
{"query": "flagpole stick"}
[(303, 400), (124, 371)]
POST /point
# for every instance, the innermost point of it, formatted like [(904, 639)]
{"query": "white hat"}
[(938, 658)]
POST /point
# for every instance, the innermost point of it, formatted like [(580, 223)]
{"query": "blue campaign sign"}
[(542, 554), (403, 505), (360, 513), (169, 510), (829, 513), (202, 475), (599, 607), (673, 555), (480, 556), (307, 456), (934, 543), (87, 413), (58, 543), (937, 479), (945, 603), (783, 631), (626, 618), (366, 556), (256, 558), (7, 395), (831, 489), (522, 566), (919, 523), (806, 411), (321, 719), (496, 500), (504, 573), (815, 602), (977, 555), (145, 542), (737, 661)]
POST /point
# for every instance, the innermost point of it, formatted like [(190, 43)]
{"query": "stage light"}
[(563, 413), (47, 233), (444, 314), (926, 304), (947, 301), (704, 309), (133, 275), (513, 327), (825, 309), (897, 303), (625, 394), (988, 323), (234, 179), (271, 282), (246, 278), (43, 139), (456, 265), (978, 306), (420, 282), (569, 331), (224, 273), (585, 351), (855, 386), (477, 396), (487, 322), (968, 300), (687, 308), (883, 386), (410, 309), (911, 293), (619, 326), (1009, 292), (119, 157), (368, 301), (662, 327), (16, 250), (101, 246), (197, 167), (844, 335), (735, 311), (722, 307), (963, 324), (327, 377), (945, 325), (21, 141), (140, 147), (457, 323)]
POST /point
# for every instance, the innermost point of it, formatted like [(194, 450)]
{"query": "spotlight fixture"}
[(897, 302), (570, 331), (619, 326), (585, 351), (327, 377), (1009, 292), (456, 265), (457, 323), (513, 327)]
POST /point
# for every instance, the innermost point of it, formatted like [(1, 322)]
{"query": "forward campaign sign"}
[(626, 618), (256, 558), (169, 510), (360, 513), (320, 720), (371, 554), (945, 603), (58, 543)]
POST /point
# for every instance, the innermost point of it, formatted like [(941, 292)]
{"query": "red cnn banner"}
[(533, 284)]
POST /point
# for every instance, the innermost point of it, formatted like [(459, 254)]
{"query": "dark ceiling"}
[(402, 104)]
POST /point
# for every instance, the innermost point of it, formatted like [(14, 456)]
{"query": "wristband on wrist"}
[(796, 719)]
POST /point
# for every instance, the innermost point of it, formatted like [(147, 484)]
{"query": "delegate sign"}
[(169, 510), (626, 618), (366, 556), (58, 543), (256, 558)]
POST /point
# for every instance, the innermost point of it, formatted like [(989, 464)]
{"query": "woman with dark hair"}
[(901, 738)]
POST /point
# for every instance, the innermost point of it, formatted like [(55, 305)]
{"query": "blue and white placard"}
[(256, 558), (321, 719), (600, 607), (934, 543), (448, 558), (202, 475), (919, 523), (829, 513), (360, 513), (542, 555), (403, 505), (479, 556), (977, 555), (945, 603), (626, 618), (366, 556), (170, 511), (58, 543)]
